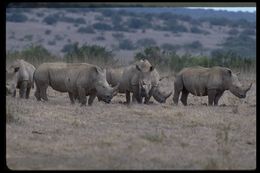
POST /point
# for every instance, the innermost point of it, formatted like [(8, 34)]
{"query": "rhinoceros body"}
[(201, 81), (21, 77), (78, 79)]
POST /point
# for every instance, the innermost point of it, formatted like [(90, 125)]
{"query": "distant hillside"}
[(197, 13), (126, 31)]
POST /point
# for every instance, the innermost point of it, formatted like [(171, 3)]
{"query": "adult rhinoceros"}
[(78, 79), (21, 77), (201, 81), (114, 76)]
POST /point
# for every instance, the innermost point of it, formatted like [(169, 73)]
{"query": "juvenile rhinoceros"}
[(79, 80), (20, 74), (202, 81), (114, 76)]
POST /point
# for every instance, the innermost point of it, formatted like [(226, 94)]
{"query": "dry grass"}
[(58, 135)]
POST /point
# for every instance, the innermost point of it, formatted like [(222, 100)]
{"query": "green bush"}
[(145, 42), (118, 36), (126, 44), (35, 54), (87, 29), (47, 32), (91, 54), (16, 17), (51, 19), (102, 26)]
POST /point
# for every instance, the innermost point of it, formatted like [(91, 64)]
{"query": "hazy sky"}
[(248, 9)]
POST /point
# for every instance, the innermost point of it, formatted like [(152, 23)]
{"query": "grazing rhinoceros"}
[(114, 77), (78, 79), (21, 77), (202, 81)]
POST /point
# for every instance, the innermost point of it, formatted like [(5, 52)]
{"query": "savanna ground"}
[(58, 135)]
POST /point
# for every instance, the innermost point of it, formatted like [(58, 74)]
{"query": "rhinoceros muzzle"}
[(106, 99)]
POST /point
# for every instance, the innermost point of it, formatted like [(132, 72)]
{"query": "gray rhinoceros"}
[(114, 76), (20, 74), (78, 79), (201, 81)]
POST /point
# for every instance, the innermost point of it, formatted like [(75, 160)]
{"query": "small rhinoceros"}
[(78, 79), (114, 76), (20, 74), (201, 81)]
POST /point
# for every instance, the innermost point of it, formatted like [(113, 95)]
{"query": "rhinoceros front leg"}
[(136, 94), (127, 95), (37, 94), (71, 95), (23, 88), (82, 96), (28, 92), (211, 96), (218, 95), (147, 99), (91, 98), (184, 96)]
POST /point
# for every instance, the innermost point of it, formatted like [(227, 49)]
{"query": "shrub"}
[(146, 42), (169, 47), (16, 17), (87, 29), (51, 19), (47, 32), (102, 26), (90, 53), (196, 30), (137, 23), (118, 36), (100, 38), (194, 45), (126, 44), (233, 32), (248, 32)]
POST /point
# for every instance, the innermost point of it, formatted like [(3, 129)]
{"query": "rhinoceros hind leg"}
[(127, 95), (211, 96), (23, 88), (71, 95), (37, 94), (82, 96), (218, 95), (184, 96), (28, 92), (91, 99)]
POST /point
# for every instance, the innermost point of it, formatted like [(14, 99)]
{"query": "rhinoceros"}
[(20, 73), (114, 76), (201, 81), (78, 79)]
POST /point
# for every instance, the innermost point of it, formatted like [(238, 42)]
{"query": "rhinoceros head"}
[(236, 87), (104, 91), (160, 96), (145, 77)]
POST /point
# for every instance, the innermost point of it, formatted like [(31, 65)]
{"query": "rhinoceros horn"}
[(115, 89), (249, 87), (167, 95)]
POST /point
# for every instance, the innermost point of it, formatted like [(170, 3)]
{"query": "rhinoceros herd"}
[(141, 79)]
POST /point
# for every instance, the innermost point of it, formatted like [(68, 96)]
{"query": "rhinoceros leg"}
[(127, 95), (37, 94), (136, 94), (91, 99), (14, 93), (82, 96), (23, 88), (43, 92), (28, 91), (218, 95), (71, 95), (211, 96), (184, 96)]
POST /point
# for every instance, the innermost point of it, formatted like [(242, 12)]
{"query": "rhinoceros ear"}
[(98, 70), (151, 68), (16, 69), (138, 68), (229, 72)]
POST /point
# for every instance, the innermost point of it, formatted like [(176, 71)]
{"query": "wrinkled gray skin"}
[(78, 79), (114, 76), (136, 79), (20, 75), (201, 81)]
